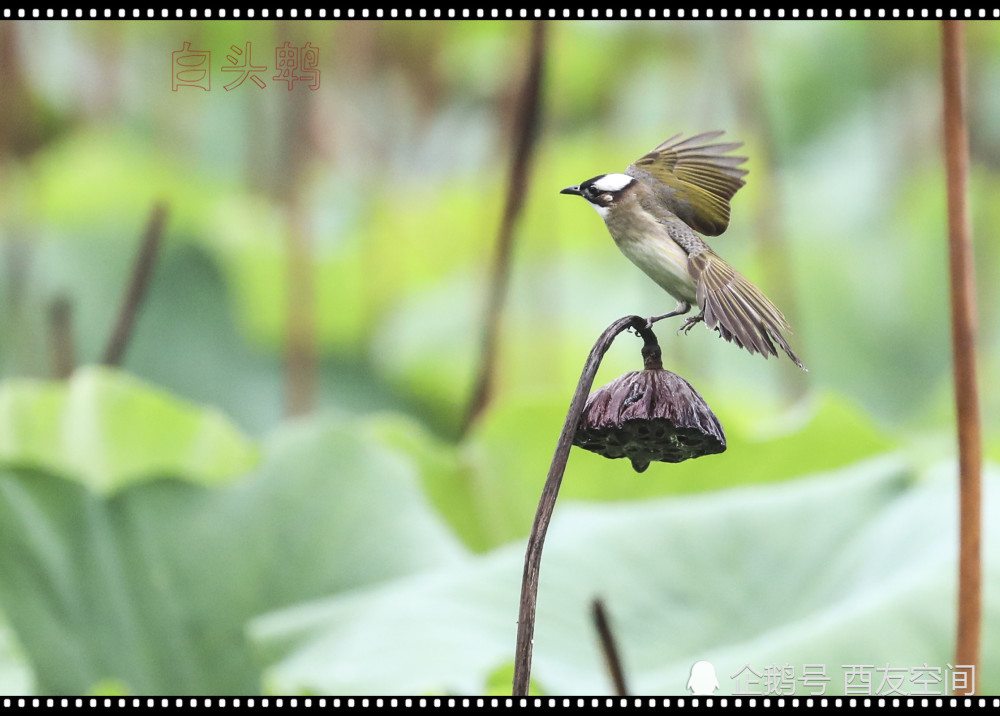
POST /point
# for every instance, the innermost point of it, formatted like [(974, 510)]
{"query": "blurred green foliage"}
[(100, 429), (167, 527), (847, 568)]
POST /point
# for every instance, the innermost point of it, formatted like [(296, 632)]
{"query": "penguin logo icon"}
[(703, 681)]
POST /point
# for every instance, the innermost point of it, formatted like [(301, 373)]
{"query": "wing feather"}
[(736, 308), (694, 178)]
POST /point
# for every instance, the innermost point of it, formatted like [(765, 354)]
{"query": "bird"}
[(653, 211)]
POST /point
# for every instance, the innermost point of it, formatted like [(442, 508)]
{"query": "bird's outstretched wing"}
[(733, 305), (694, 179)]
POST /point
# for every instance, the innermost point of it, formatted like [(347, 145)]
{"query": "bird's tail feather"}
[(737, 309)]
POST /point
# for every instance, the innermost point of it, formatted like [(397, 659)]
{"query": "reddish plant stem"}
[(963, 339)]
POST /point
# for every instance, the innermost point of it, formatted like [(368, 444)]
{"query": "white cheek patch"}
[(613, 182), (602, 210)]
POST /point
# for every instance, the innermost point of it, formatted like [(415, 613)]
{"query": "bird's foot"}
[(682, 308), (691, 322)]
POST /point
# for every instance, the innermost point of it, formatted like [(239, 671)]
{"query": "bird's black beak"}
[(572, 190)]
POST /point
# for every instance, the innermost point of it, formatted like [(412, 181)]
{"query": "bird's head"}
[(603, 192)]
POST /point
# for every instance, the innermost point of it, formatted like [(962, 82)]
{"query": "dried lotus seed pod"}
[(649, 415)]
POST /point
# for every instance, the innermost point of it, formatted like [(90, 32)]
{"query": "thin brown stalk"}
[(301, 348), (301, 339), (522, 152), (61, 344), (963, 339), (536, 540), (138, 287), (609, 647)]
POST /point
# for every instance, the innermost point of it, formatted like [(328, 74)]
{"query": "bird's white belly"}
[(663, 261)]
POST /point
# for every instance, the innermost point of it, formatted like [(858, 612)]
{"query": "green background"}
[(168, 527)]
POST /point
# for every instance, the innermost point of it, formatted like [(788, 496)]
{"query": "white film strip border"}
[(494, 702), (164, 13)]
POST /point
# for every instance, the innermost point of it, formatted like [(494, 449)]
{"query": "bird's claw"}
[(690, 323)]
